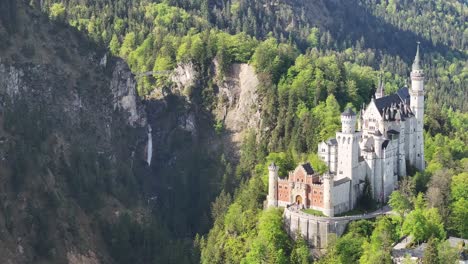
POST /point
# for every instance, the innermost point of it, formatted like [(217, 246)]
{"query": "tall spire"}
[(380, 89), (416, 63)]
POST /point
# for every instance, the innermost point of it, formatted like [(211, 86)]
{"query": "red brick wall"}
[(283, 191), (316, 196), (299, 176)]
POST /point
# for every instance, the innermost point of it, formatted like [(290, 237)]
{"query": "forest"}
[(312, 60)]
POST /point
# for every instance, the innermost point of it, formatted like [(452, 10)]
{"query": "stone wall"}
[(314, 229)]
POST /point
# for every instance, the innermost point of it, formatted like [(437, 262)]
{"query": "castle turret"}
[(378, 181), (378, 139), (417, 106), (273, 185), (348, 121), (328, 208), (348, 145)]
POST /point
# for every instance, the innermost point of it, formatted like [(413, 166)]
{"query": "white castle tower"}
[(417, 106), (348, 145), (328, 208), (273, 185)]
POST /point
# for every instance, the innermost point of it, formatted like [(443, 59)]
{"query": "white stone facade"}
[(389, 136)]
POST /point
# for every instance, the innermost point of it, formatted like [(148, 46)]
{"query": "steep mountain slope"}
[(72, 138)]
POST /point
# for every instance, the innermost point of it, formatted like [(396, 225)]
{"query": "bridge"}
[(152, 73)]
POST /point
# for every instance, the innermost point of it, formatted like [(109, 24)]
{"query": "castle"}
[(389, 135)]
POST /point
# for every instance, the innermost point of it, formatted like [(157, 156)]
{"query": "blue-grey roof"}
[(331, 142), (341, 181), (417, 60), (404, 95), (387, 101), (348, 112), (385, 143), (308, 168), (393, 103)]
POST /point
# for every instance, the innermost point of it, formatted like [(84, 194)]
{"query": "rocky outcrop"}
[(123, 86), (184, 76), (239, 106)]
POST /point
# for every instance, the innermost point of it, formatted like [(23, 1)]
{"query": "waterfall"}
[(149, 153)]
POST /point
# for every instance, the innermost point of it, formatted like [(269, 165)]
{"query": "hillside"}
[(73, 133), (227, 87)]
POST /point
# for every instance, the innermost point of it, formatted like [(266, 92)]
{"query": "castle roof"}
[(331, 142), (378, 133), (385, 143), (404, 95), (417, 60), (394, 106), (348, 112), (341, 181), (308, 168), (392, 131)]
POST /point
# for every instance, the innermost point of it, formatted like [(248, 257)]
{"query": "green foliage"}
[(349, 248), (446, 253), (283, 160), (300, 252), (424, 223), (399, 203), (273, 58), (57, 12), (271, 242), (377, 250), (430, 252), (460, 186), (328, 116), (313, 212), (458, 217), (114, 45)]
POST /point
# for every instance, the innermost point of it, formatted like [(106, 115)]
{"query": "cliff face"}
[(72, 136), (239, 105)]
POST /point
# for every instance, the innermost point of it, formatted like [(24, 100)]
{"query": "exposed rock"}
[(11, 79), (184, 76), (76, 258), (123, 87), (239, 105)]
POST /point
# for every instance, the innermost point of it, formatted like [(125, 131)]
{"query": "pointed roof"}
[(380, 90), (378, 133), (417, 60), (308, 168), (272, 166), (397, 100), (331, 142)]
